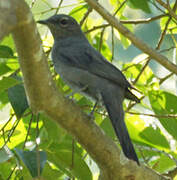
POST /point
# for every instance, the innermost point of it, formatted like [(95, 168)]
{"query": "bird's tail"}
[(113, 104)]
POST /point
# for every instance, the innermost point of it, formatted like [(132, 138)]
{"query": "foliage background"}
[(152, 124)]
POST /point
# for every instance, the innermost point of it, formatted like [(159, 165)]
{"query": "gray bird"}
[(84, 69)]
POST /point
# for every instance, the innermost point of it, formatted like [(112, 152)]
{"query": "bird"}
[(86, 71)]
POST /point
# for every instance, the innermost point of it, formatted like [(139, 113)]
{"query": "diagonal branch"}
[(136, 21), (135, 40), (166, 6)]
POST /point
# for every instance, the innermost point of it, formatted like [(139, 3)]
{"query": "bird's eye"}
[(64, 22)]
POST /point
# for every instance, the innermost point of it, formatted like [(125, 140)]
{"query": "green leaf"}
[(18, 100), (154, 136), (105, 50), (137, 130), (146, 81), (5, 52), (163, 164), (17, 137), (54, 131), (135, 125), (165, 103), (171, 25), (5, 170), (125, 42), (79, 12), (107, 127), (7, 82), (3, 99), (61, 156), (33, 160), (140, 4), (4, 69), (50, 172), (8, 41)]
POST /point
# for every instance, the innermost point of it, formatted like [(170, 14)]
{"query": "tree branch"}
[(137, 21), (135, 40), (44, 97), (166, 6), (7, 18)]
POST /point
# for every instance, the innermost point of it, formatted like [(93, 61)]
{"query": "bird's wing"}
[(91, 60)]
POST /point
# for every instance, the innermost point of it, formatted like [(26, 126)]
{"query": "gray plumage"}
[(83, 67)]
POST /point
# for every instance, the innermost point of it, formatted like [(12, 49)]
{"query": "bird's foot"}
[(91, 114)]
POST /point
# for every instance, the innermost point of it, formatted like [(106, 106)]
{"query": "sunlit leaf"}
[(5, 52), (50, 172), (3, 99), (145, 135), (17, 137), (164, 164), (164, 103), (4, 69), (7, 82), (171, 25), (140, 4), (155, 137), (78, 12)]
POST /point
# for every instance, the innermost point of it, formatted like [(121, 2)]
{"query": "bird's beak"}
[(45, 22)]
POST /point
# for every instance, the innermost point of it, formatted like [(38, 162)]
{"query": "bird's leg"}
[(93, 110)]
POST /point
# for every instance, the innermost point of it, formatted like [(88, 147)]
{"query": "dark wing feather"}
[(92, 61)]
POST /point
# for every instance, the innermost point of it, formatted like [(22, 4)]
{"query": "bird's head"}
[(62, 26)]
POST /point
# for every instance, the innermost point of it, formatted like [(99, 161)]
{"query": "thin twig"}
[(172, 173), (161, 152), (142, 70), (144, 21), (153, 115), (165, 78), (59, 6), (166, 6), (97, 27), (120, 7), (9, 177), (167, 49), (157, 7), (137, 21), (37, 147), (2, 129), (29, 127), (86, 15), (112, 32), (163, 60), (101, 39), (11, 132), (165, 29)]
